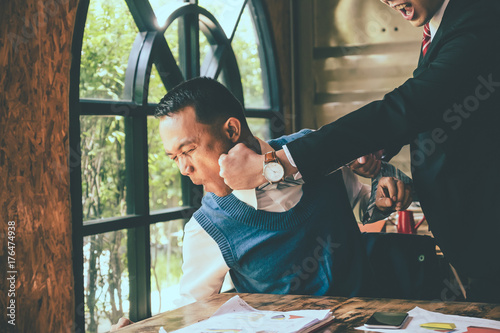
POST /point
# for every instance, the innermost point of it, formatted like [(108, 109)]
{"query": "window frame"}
[(148, 45)]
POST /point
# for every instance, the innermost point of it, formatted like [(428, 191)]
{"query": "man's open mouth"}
[(406, 10)]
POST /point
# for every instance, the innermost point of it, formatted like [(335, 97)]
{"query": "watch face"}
[(273, 172)]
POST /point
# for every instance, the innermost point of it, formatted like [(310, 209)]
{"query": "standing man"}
[(449, 113)]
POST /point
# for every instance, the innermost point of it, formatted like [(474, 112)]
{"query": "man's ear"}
[(232, 129)]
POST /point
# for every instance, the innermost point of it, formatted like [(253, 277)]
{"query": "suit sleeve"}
[(423, 103)]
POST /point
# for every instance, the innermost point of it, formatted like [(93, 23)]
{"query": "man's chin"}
[(418, 23), (220, 192)]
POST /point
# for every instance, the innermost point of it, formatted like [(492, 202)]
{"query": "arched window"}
[(129, 202)]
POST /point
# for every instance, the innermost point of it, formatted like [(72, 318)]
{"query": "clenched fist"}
[(241, 168), (367, 166)]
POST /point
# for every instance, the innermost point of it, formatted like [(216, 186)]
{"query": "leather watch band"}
[(270, 157)]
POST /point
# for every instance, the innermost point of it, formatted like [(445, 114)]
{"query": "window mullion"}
[(164, 60), (143, 14), (76, 167), (189, 57), (138, 244), (189, 45), (237, 21)]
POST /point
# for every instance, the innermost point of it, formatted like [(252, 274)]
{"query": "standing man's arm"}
[(423, 103)]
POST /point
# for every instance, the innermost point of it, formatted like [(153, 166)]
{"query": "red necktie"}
[(427, 39)]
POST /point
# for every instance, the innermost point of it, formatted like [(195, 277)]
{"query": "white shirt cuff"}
[(296, 175)]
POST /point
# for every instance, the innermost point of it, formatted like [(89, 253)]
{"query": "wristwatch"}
[(273, 171)]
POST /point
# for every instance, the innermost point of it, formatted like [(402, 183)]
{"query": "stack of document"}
[(423, 321), (236, 316)]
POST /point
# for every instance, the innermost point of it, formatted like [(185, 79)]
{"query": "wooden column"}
[(35, 58)]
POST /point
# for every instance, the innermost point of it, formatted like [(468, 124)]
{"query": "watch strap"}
[(270, 156)]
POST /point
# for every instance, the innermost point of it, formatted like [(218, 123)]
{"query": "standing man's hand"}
[(241, 168), (367, 166), (393, 194)]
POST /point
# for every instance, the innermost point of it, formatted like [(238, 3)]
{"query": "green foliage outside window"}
[(103, 167), (106, 279), (166, 263), (110, 32), (245, 46)]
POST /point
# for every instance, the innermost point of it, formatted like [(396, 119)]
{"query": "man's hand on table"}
[(122, 322), (393, 194)]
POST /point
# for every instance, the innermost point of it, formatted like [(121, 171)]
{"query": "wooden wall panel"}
[(350, 52), (35, 60)]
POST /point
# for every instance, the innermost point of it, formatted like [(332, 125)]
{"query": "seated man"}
[(285, 238), (278, 238)]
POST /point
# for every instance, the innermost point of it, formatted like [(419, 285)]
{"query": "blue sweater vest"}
[(313, 249)]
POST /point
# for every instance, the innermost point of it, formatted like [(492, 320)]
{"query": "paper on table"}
[(474, 329), (235, 304), (420, 316), (236, 316)]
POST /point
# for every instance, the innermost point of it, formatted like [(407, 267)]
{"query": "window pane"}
[(106, 280), (165, 189), (205, 47), (225, 11), (109, 34), (260, 127), (166, 264), (103, 167), (245, 46), (163, 9), (172, 38), (156, 87)]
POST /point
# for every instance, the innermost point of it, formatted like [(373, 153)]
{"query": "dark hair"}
[(211, 101)]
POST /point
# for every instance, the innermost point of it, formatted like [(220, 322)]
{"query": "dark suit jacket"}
[(449, 112)]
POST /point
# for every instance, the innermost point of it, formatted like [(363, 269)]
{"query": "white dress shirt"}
[(204, 268), (435, 21)]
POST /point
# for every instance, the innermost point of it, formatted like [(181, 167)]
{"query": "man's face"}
[(418, 12), (196, 148)]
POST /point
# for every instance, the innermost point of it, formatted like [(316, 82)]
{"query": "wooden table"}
[(349, 312)]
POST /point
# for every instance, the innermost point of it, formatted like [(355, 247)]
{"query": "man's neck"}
[(251, 142)]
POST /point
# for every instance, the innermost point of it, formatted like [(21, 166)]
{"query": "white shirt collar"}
[(247, 196), (435, 21)]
